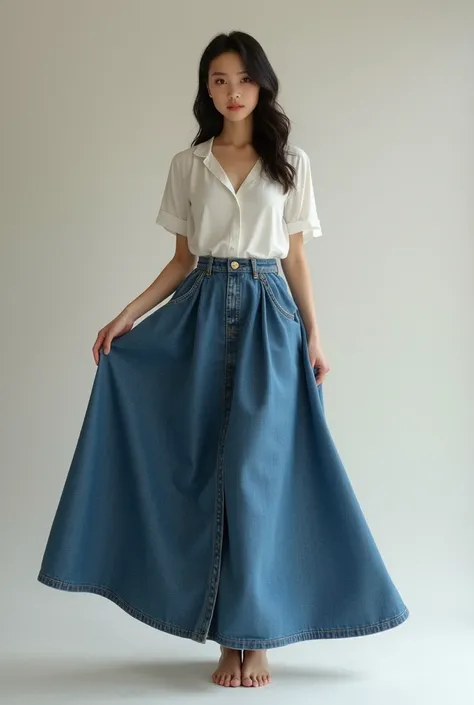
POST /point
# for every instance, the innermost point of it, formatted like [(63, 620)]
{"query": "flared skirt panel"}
[(206, 496)]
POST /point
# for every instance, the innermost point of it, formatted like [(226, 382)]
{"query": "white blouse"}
[(200, 202)]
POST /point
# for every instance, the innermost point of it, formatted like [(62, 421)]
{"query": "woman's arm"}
[(182, 263), (296, 271)]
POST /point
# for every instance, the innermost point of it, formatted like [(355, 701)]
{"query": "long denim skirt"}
[(206, 496)]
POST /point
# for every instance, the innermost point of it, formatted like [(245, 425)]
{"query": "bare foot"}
[(255, 669), (229, 669)]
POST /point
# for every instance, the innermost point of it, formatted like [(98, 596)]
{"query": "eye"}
[(245, 78)]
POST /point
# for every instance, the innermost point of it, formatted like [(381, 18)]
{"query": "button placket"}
[(215, 167), (239, 226), (235, 230)]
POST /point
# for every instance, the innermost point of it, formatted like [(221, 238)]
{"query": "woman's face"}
[(229, 84)]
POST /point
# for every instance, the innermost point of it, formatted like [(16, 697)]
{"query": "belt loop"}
[(254, 267), (209, 265)]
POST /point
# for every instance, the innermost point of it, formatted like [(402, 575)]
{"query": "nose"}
[(235, 94)]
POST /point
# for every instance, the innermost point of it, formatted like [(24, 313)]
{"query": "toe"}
[(247, 681)]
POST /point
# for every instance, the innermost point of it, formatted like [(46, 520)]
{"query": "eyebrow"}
[(221, 73)]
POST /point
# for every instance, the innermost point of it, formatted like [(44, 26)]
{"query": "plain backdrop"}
[(96, 97)]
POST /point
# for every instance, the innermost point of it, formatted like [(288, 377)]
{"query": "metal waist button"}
[(234, 264)]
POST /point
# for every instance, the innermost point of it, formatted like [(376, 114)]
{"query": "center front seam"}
[(231, 323)]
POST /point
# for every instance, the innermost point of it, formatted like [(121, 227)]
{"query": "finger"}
[(107, 343), (99, 340), (321, 375), (97, 345)]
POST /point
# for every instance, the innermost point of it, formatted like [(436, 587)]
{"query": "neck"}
[(236, 134)]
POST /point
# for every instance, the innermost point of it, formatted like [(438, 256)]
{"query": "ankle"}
[(254, 651), (228, 650)]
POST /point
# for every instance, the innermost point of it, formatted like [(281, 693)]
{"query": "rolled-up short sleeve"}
[(173, 211), (300, 212)]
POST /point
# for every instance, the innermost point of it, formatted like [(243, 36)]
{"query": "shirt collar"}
[(204, 148)]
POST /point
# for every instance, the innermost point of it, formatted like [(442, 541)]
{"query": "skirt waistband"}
[(237, 265)]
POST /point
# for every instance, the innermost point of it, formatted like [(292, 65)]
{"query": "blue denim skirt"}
[(206, 496)]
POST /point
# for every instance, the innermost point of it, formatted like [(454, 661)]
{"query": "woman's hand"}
[(317, 359), (120, 325), (296, 270)]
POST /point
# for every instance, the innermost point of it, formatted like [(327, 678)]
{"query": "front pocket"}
[(187, 286), (279, 295)]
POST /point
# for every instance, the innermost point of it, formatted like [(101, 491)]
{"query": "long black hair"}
[(271, 126)]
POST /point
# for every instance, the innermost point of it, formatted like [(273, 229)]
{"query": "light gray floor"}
[(81, 649)]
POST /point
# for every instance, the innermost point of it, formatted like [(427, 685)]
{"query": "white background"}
[(96, 98)]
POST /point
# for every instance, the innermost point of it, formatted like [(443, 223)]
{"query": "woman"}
[(206, 496)]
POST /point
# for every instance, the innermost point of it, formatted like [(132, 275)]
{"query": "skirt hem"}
[(233, 643)]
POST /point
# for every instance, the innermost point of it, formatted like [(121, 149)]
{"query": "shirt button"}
[(234, 265)]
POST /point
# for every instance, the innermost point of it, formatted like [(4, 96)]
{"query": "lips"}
[(234, 107)]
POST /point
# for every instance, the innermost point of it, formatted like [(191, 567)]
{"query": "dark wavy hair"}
[(271, 126)]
